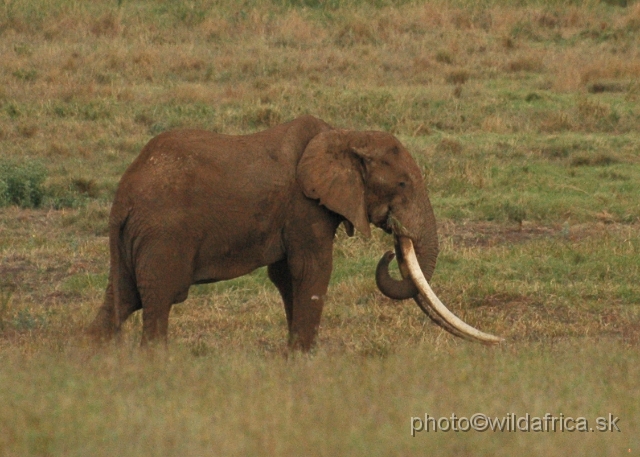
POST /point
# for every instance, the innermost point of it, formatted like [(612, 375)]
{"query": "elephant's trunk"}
[(393, 288), (424, 236)]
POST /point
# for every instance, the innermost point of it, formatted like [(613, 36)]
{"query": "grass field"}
[(524, 117)]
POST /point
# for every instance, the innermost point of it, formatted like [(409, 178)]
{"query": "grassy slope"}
[(525, 122)]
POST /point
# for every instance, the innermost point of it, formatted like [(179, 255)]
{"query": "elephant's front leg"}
[(280, 276), (310, 280)]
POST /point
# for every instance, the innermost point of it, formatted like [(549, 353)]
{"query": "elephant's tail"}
[(119, 268), (108, 319)]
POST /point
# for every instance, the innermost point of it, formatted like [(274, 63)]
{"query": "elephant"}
[(199, 207)]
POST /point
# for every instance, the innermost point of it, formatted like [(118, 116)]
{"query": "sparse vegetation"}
[(524, 117)]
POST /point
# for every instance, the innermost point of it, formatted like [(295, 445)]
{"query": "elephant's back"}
[(206, 170)]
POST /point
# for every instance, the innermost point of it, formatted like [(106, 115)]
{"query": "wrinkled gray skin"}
[(198, 207)]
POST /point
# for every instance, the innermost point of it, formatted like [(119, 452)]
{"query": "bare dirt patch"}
[(492, 234), (480, 233)]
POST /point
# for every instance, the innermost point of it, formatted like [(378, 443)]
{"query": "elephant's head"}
[(369, 177)]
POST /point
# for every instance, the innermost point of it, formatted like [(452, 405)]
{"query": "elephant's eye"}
[(402, 184)]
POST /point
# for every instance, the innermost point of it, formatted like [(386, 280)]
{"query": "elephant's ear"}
[(331, 172)]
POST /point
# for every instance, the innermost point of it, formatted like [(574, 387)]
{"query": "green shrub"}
[(21, 183)]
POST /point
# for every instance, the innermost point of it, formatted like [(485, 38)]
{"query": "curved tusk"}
[(425, 306), (434, 303)]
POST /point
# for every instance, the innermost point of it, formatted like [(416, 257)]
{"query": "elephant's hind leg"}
[(163, 279)]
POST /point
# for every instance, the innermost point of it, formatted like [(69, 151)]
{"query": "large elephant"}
[(198, 207)]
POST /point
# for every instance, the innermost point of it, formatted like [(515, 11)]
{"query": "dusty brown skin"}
[(198, 207)]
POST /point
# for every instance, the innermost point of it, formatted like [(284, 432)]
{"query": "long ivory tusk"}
[(434, 302), (401, 290)]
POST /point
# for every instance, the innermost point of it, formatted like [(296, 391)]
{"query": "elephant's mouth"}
[(416, 286), (385, 227), (391, 224), (383, 221)]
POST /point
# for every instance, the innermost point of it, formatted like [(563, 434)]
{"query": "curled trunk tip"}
[(390, 287)]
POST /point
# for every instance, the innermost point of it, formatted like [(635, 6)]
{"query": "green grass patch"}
[(21, 183)]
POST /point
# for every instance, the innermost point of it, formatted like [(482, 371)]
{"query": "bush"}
[(21, 183)]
